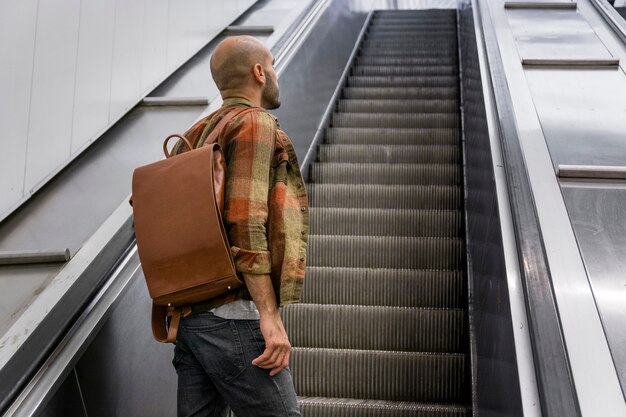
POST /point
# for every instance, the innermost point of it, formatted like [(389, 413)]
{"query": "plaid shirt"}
[(266, 210)]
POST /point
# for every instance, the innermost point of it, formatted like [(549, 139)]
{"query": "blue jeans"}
[(213, 359)]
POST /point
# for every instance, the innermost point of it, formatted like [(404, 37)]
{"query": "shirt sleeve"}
[(248, 158)]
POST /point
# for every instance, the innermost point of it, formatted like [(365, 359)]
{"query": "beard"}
[(271, 97)]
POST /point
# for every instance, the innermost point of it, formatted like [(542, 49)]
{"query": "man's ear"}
[(259, 73)]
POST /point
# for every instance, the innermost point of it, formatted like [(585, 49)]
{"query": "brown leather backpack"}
[(182, 244)]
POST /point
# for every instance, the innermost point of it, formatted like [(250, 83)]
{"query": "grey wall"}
[(497, 391), (70, 69)]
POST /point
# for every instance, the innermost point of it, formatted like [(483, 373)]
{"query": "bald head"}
[(233, 61)]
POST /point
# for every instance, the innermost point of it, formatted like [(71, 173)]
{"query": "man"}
[(235, 353)]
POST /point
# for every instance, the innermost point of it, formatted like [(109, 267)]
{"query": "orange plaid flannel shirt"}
[(265, 205)]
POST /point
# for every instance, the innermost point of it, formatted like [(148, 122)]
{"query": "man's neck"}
[(254, 99)]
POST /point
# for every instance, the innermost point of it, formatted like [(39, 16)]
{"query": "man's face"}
[(271, 97)]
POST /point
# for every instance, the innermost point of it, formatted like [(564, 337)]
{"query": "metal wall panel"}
[(73, 67), (67, 401), (582, 114), (310, 79), (554, 34), (127, 53), (154, 51), (598, 213), (52, 99), (18, 20), (176, 42), (93, 71), (125, 372), (198, 26)]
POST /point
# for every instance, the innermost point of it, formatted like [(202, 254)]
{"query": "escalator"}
[(382, 328)]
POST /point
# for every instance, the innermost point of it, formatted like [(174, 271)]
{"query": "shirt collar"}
[(232, 101)]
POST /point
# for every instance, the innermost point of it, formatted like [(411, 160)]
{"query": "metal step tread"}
[(349, 407), (389, 153), (443, 253), (398, 106), (381, 173), (408, 92), (437, 154), (371, 60), (427, 377), (379, 70), (392, 136), (396, 80), (399, 120), (384, 287), (386, 196), (386, 222), (410, 329)]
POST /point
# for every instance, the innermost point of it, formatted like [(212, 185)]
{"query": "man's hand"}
[(277, 346)]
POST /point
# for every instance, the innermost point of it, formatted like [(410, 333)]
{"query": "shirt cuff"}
[(250, 261)]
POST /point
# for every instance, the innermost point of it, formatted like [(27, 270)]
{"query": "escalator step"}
[(427, 49), (408, 174), (391, 154), (386, 196), (404, 42), (389, 222), (369, 93), (372, 60), (384, 287), (405, 329), (415, 53), (404, 70), (407, 35), (423, 25), (391, 136), (398, 106), (403, 80), (386, 252), (347, 407), (412, 120), (398, 376)]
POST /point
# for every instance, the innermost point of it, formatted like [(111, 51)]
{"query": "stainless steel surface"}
[(591, 171), (175, 101), (61, 361), (612, 17), (571, 63), (309, 157), (581, 114), (118, 378), (543, 5), (315, 68), (248, 29), (598, 213), (554, 34), (598, 389), (34, 257)]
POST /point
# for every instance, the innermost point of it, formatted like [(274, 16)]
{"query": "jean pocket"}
[(219, 348)]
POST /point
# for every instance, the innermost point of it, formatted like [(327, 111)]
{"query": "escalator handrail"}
[(556, 388)]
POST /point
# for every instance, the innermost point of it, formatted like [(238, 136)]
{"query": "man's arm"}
[(246, 214), (277, 346)]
